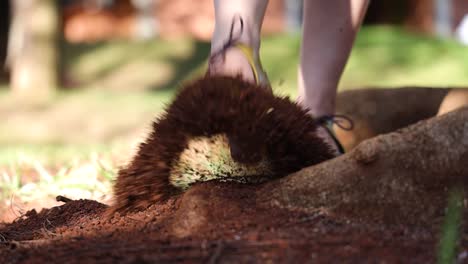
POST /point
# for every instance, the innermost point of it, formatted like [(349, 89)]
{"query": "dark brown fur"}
[(245, 112)]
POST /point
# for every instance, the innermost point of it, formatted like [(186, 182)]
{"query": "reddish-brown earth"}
[(233, 230)]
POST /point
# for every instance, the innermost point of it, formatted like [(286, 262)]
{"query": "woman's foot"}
[(327, 133), (237, 58)]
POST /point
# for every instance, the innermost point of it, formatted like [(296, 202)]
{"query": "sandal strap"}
[(342, 121), (249, 55), (233, 42)]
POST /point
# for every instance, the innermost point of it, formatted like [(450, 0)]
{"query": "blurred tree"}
[(146, 22), (443, 17), (33, 48), (293, 9), (4, 25)]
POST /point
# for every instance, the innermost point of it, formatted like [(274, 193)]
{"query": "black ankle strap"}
[(342, 121), (232, 40)]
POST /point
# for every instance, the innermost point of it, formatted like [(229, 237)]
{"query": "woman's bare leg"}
[(227, 13), (329, 30)]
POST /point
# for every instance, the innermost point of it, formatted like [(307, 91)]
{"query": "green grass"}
[(382, 56), (448, 244), (394, 57), (135, 66), (30, 180), (118, 87)]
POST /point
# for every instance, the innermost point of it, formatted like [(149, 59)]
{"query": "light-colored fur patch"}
[(209, 158)]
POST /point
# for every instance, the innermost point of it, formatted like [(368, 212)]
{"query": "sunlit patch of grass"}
[(448, 244), (135, 65), (381, 56), (390, 56), (28, 179), (86, 117)]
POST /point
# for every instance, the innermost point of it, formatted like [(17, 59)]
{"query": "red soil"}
[(210, 223)]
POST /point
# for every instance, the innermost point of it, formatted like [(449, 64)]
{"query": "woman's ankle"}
[(232, 62)]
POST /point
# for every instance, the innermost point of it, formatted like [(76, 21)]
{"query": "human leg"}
[(237, 22), (329, 30)]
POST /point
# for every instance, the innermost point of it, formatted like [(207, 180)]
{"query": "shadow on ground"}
[(124, 65)]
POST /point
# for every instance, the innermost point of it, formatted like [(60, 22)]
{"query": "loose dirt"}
[(211, 223)]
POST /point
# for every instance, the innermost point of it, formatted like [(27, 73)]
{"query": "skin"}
[(329, 30), (252, 13)]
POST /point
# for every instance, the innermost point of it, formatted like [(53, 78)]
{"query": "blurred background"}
[(80, 80)]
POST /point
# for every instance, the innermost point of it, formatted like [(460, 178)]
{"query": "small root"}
[(63, 199)]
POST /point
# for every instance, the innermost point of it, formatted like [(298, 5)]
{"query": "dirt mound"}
[(212, 222), (49, 222)]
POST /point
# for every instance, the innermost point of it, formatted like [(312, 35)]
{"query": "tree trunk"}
[(33, 48)]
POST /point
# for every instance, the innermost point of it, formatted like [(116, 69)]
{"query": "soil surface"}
[(233, 230)]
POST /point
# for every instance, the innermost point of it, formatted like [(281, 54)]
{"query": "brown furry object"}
[(253, 120)]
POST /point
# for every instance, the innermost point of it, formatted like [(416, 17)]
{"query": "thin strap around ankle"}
[(234, 41), (342, 121)]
